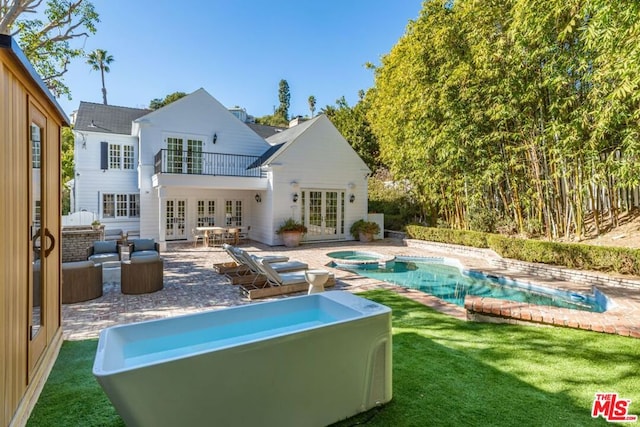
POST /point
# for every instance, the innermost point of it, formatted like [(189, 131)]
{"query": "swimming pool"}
[(446, 279)]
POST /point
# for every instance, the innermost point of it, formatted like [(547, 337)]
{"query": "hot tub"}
[(303, 361)]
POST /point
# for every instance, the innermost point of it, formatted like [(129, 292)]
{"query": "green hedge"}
[(578, 256)]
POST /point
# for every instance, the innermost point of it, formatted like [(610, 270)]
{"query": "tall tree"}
[(45, 32), (99, 59), (161, 102), (284, 97), (526, 110), (312, 104), (353, 124)]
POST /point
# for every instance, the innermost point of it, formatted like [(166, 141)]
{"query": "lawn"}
[(445, 372)]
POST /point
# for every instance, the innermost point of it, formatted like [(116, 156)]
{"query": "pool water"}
[(447, 282)]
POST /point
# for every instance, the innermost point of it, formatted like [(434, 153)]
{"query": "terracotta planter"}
[(291, 239), (365, 237)]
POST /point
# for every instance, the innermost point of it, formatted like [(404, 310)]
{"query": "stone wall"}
[(76, 240)]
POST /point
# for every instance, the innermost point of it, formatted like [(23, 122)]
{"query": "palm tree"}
[(312, 104), (100, 60)]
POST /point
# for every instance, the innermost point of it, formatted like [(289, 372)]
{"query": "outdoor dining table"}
[(208, 230)]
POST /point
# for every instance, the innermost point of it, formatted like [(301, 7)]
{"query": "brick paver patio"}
[(191, 285)]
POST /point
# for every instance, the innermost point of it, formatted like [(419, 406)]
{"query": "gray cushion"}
[(100, 258), (105, 247), (143, 245), (141, 254), (145, 258), (77, 265), (113, 234)]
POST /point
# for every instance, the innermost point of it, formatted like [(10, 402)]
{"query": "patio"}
[(191, 285)]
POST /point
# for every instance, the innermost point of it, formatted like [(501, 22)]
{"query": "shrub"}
[(362, 226), (291, 224), (573, 255)]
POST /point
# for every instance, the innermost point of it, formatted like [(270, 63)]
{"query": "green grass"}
[(446, 372)]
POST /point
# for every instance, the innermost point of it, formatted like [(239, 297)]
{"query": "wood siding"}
[(19, 385)]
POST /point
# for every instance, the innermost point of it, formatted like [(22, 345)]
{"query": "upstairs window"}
[(114, 156), (127, 157)]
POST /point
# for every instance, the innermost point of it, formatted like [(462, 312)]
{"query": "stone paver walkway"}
[(191, 286)]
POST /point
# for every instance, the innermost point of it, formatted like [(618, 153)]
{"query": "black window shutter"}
[(104, 155)]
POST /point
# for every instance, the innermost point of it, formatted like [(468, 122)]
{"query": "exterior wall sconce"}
[(352, 198), (215, 137), (295, 197), (258, 198)]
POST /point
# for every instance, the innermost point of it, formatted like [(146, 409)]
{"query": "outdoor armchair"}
[(143, 248), (142, 274), (81, 281), (103, 251)]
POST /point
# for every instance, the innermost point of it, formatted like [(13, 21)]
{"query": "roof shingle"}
[(94, 117)]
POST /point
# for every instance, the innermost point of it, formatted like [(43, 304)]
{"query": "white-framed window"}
[(114, 156), (120, 205), (127, 157)]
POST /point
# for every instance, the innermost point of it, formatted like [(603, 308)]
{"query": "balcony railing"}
[(200, 163)]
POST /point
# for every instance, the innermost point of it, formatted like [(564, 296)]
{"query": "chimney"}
[(296, 121)]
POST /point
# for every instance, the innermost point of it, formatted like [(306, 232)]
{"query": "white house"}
[(194, 163)]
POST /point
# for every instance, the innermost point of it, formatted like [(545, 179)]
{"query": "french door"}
[(175, 214), (184, 156), (323, 214)]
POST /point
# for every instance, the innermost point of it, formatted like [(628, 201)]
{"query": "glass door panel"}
[(175, 215), (323, 213), (174, 155), (194, 156), (43, 266)]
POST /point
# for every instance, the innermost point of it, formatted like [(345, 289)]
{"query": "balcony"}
[(211, 164)]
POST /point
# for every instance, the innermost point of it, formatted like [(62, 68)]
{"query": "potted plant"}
[(291, 232), (96, 225), (364, 230)]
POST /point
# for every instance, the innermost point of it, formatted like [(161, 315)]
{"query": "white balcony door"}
[(184, 155)]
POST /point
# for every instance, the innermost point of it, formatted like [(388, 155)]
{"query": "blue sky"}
[(239, 50)]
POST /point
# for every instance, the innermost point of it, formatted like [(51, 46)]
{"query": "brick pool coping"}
[(623, 294)]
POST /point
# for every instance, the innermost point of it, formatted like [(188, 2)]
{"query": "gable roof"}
[(265, 156), (265, 131), (280, 141), (290, 134), (94, 117)]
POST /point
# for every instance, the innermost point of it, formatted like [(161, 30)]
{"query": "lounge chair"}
[(230, 250), (253, 263), (275, 278)]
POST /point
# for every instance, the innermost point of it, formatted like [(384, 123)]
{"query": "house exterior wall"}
[(319, 159), (197, 116), (91, 182)]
